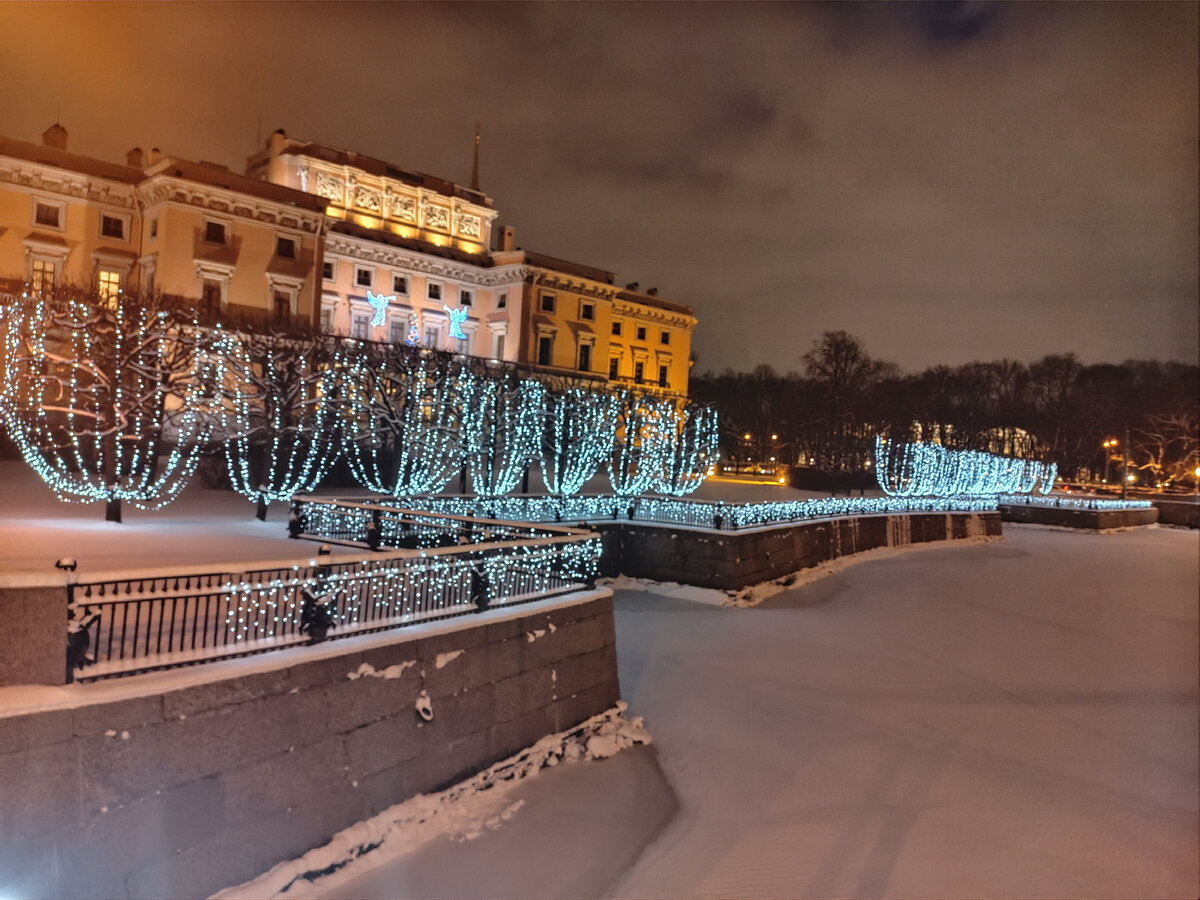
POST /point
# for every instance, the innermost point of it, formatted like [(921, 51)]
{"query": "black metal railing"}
[(138, 624)]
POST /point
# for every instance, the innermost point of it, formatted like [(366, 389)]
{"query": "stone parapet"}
[(178, 794)]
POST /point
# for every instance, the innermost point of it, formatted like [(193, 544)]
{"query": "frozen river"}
[(1006, 719)]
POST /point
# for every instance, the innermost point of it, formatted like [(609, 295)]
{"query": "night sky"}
[(947, 181)]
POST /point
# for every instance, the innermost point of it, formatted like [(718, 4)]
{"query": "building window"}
[(214, 232), (49, 215), (662, 376), (397, 331), (108, 286), (285, 248), (465, 297), (665, 337), (358, 326), (502, 300), (326, 318), (460, 346), (616, 328), (400, 284), (545, 346), (585, 357), (614, 367), (154, 227), (547, 304), (639, 370), (210, 295), (641, 332), (587, 312), (328, 270), (112, 227), (433, 291), (364, 277), (432, 333), (282, 306), (42, 274), (499, 350)]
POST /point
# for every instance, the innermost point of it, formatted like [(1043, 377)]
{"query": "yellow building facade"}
[(354, 245)]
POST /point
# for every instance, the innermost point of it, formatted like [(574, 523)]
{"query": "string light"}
[(924, 469), (509, 417), (106, 401), (279, 417), (379, 303), (580, 430), (642, 443), (693, 450)]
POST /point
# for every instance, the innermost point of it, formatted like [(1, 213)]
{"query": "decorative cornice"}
[(557, 281), (165, 188), (652, 313), (364, 250), (51, 180)]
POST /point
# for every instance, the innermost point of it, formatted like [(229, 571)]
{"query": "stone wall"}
[(181, 793), (1089, 519), (731, 560)]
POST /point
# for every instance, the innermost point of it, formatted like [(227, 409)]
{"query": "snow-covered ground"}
[(996, 719), (992, 720)]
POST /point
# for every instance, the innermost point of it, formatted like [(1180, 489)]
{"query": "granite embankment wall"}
[(731, 560), (1087, 519), (182, 791)]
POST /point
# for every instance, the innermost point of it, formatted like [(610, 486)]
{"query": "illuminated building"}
[(355, 245)]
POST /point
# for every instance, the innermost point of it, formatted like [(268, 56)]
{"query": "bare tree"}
[(280, 436), (578, 436), (509, 413), (106, 397)]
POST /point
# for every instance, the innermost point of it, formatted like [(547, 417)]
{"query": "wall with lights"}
[(168, 791)]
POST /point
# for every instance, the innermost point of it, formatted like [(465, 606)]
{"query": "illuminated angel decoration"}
[(457, 317), (379, 303)]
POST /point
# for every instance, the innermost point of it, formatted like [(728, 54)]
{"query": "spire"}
[(475, 166)]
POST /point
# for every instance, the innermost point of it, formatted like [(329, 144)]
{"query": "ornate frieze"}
[(437, 217), (330, 188), (366, 198), (401, 206)]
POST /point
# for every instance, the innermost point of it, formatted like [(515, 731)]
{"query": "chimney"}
[(55, 136), (652, 292), (153, 156), (632, 286), (506, 238), (136, 158), (276, 141)]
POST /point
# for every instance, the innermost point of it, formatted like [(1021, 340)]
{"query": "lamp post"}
[(1125, 464)]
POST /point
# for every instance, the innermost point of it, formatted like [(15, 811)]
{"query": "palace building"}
[(354, 245)]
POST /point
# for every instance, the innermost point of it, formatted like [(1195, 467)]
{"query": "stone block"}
[(513, 697), (322, 672), (33, 641), (494, 662), (353, 703), (261, 789), (467, 711), (199, 698), (41, 791), (147, 831), (383, 744), (567, 712), (36, 730), (578, 673), (121, 715)]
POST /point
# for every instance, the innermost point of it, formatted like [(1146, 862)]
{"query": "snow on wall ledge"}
[(180, 793)]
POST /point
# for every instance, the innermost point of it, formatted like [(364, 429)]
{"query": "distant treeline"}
[(1055, 409)]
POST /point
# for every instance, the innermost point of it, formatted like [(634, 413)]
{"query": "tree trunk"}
[(112, 511), (261, 512)]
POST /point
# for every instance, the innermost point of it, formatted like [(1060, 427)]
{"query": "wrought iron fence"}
[(134, 624)]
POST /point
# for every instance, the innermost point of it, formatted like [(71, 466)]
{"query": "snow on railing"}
[(137, 624)]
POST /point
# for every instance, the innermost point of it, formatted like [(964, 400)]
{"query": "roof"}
[(656, 302), (386, 170), (569, 268), (62, 159), (216, 176)]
